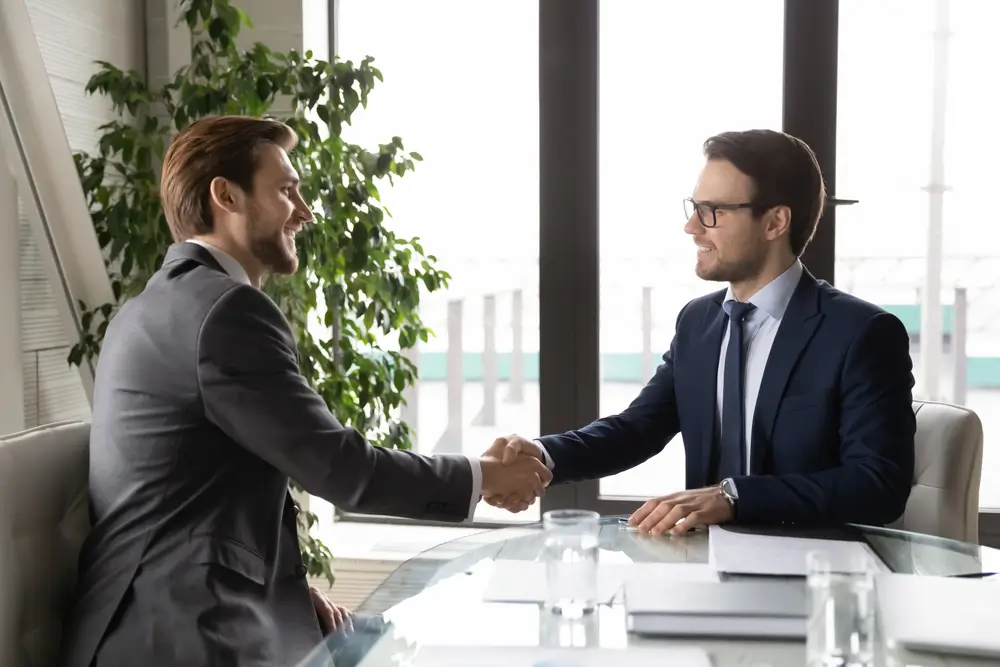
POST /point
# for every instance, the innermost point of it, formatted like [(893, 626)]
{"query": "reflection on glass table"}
[(436, 599)]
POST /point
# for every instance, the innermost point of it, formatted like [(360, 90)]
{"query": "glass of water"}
[(841, 627), (571, 546)]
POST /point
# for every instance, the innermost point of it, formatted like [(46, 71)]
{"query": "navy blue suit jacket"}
[(833, 429)]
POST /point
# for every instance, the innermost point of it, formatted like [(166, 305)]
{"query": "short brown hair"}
[(219, 146), (784, 171)]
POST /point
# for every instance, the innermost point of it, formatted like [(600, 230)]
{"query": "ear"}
[(226, 195), (778, 221)]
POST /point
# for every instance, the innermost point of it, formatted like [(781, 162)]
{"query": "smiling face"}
[(736, 249), (258, 226), (275, 212)]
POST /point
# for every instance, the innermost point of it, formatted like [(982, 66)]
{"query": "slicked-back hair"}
[(218, 146), (784, 171)]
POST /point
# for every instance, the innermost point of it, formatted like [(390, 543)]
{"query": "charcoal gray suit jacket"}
[(200, 418)]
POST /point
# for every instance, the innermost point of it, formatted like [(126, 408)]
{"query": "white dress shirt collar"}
[(226, 261)]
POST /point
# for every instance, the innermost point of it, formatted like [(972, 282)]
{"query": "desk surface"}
[(435, 598)]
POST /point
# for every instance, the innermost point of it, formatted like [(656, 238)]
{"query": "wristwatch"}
[(728, 487)]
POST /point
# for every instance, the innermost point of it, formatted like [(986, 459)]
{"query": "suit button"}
[(301, 571)]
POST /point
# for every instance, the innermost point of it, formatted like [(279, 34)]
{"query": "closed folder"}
[(772, 608)]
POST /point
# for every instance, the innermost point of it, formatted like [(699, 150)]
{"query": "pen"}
[(974, 575), (623, 522)]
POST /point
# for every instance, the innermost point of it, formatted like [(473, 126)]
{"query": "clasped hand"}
[(677, 513), (518, 480), (513, 451)]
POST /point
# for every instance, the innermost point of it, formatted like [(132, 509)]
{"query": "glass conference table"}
[(436, 599)]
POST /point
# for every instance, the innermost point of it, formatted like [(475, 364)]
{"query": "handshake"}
[(514, 473)]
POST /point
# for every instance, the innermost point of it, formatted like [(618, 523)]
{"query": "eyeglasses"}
[(706, 211)]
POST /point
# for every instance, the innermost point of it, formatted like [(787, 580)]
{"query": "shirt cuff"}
[(477, 486), (549, 463)]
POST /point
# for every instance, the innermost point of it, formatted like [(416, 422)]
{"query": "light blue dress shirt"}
[(759, 329)]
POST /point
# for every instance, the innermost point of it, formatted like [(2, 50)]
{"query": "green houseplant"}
[(358, 277)]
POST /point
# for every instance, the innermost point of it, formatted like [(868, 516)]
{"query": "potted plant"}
[(361, 279)]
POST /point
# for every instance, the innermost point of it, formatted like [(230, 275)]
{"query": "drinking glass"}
[(841, 611), (571, 548)]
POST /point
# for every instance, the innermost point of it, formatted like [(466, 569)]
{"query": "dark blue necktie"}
[(733, 440)]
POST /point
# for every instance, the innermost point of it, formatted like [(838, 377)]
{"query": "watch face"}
[(727, 487)]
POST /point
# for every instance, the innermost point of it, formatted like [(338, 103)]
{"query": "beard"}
[(275, 251), (734, 271)]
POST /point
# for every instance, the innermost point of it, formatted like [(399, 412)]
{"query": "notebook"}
[(772, 608)]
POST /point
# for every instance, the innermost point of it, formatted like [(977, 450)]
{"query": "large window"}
[(915, 146), (561, 307), (672, 74), (461, 89)]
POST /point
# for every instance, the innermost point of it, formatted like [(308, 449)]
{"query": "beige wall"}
[(71, 35), (11, 380)]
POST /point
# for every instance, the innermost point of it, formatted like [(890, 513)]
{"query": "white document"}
[(946, 615), (532, 656), (733, 552), (525, 580)]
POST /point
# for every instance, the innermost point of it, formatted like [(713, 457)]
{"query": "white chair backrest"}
[(944, 500), (43, 522)]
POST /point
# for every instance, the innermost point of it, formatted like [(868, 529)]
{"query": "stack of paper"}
[(740, 552)]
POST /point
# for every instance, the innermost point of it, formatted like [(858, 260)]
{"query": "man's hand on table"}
[(683, 511), (332, 617)]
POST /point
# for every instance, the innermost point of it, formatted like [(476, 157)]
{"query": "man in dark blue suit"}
[(792, 397)]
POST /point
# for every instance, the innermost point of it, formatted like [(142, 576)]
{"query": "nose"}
[(305, 214), (693, 225)]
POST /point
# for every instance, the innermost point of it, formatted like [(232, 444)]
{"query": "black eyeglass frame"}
[(830, 201), (698, 206)]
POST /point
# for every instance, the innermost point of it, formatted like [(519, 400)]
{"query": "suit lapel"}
[(797, 327), (705, 380)]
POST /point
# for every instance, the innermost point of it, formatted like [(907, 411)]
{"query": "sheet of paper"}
[(534, 656), (947, 615), (524, 580), (733, 552)]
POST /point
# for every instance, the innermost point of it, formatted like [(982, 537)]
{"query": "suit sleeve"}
[(877, 430), (253, 391), (614, 444)]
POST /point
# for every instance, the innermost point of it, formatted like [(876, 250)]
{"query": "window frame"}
[(569, 248), (809, 111)]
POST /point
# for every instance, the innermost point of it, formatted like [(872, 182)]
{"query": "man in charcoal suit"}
[(200, 418)]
